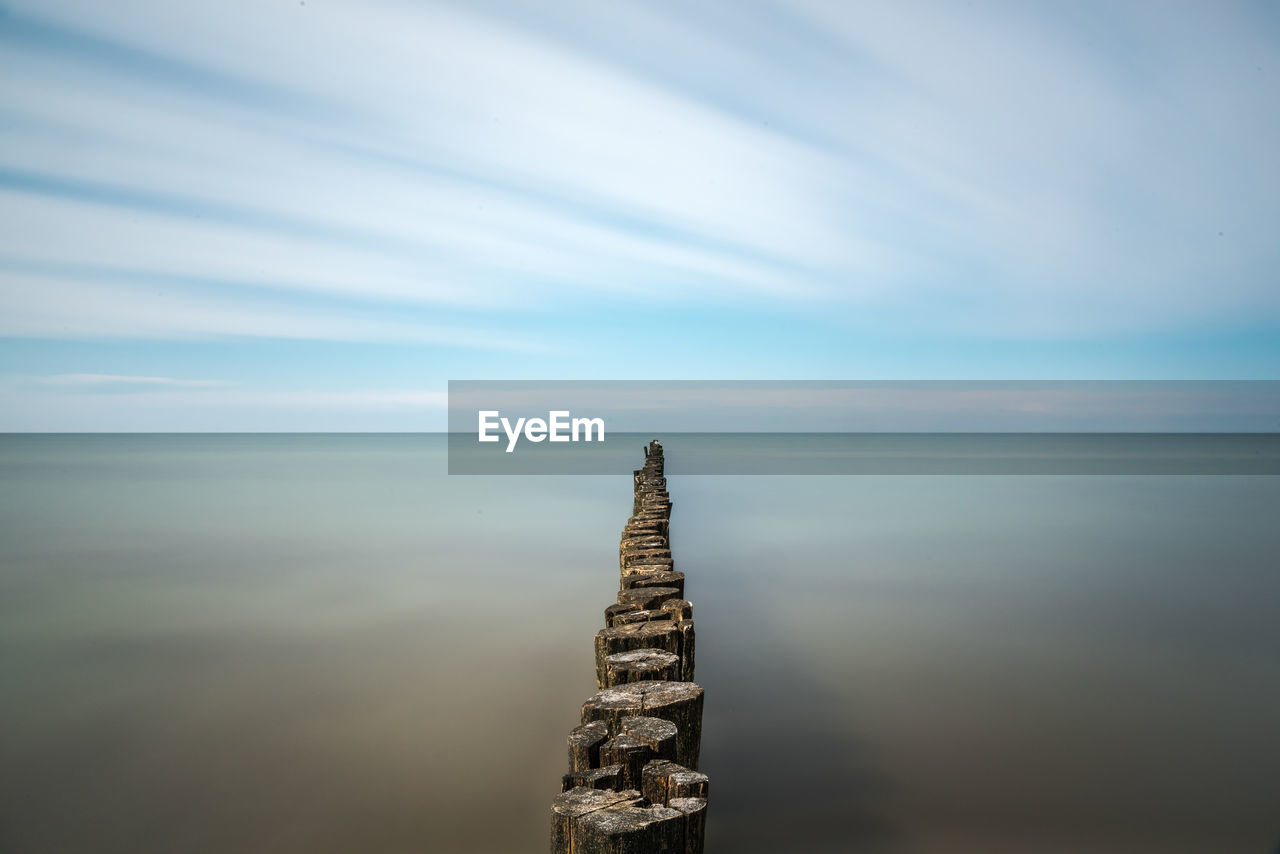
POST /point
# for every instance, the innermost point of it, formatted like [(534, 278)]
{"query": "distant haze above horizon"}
[(309, 216)]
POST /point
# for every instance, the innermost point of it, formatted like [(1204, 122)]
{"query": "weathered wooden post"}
[(633, 785)]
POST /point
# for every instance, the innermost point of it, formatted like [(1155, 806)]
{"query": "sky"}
[(312, 214)]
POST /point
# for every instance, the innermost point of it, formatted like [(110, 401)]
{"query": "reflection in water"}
[(324, 644), (1018, 664), (792, 771)]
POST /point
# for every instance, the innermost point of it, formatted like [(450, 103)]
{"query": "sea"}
[(314, 643)]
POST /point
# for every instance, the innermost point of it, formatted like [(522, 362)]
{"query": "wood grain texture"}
[(633, 785)]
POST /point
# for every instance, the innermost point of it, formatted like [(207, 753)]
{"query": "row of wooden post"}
[(633, 785)]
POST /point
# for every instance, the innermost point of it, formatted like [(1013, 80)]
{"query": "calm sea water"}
[(323, 643)]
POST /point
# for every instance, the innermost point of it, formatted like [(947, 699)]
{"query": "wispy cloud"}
[(468, 155), (477, 177), (71, 306), (94, 381), (92, 402)]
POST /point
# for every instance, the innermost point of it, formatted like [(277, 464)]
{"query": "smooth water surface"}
[(323, 643)]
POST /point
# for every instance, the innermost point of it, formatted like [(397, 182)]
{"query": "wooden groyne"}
[(633, 785)]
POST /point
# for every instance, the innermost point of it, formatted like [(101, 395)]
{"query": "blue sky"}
[(311, 215)]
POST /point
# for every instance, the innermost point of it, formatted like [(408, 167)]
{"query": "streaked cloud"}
[(71, 306), (101, 380), (493, 178), (77, 403)]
